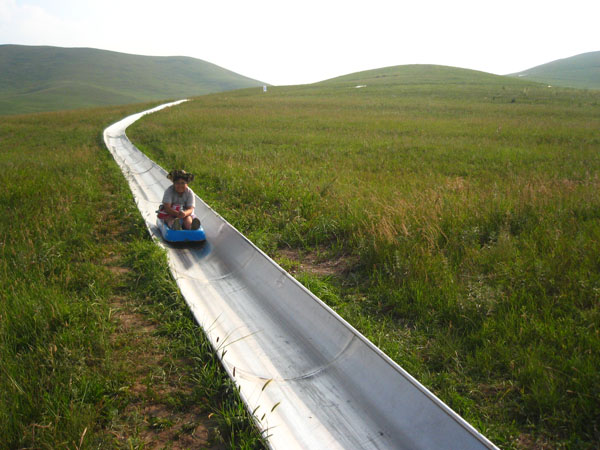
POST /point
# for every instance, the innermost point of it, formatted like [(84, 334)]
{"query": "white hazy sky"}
[(304, 41)]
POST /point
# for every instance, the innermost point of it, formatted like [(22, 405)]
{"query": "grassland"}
[(464, 211), (34, 79), (97, 348)]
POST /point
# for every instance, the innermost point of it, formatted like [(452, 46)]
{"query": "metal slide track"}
[(311, 379)]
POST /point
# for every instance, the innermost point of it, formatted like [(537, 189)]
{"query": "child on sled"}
[(178, 202)]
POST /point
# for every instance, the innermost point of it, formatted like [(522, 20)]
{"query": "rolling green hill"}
[(34, 79), (580, 71), (417, 80), (413, 74)]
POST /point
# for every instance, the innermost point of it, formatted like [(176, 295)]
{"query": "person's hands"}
[(180, 215)]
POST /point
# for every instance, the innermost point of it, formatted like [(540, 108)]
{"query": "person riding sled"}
[(178, 202)]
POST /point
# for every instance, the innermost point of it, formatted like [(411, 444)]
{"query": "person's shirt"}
[(187, 199)]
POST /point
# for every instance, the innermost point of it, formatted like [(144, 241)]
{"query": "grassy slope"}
[(52, 78), (580, 71), (466, 207), (77, 265)]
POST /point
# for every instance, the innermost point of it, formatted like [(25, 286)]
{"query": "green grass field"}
[(462, 209), (97, 348)]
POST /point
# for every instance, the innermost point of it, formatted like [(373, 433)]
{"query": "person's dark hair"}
[(175, 175)]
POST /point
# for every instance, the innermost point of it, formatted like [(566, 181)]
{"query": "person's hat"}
[(175, 175)]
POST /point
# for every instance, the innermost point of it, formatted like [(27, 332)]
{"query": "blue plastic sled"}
[(171, 235)]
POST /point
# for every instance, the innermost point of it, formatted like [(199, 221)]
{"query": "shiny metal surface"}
[(312, 380)]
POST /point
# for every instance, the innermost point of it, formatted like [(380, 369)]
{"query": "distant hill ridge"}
[(41, 78), (418, 74), (579, 71)]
